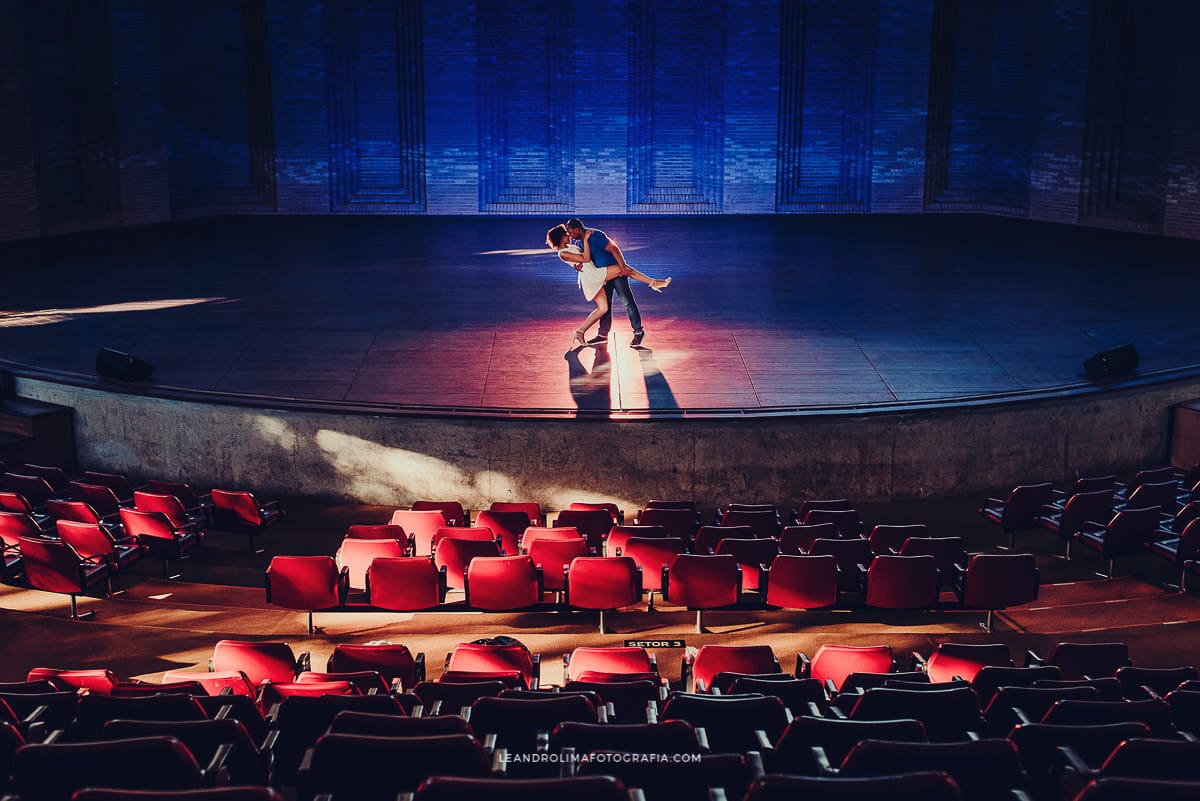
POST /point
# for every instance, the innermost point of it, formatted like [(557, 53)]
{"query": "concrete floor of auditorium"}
[(152, 625)]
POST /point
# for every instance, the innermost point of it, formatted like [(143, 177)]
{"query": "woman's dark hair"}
[(556, 236)]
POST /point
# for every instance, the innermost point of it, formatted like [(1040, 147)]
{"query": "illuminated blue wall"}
[(121, 112)]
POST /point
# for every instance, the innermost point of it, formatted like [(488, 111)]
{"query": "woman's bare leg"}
[(615, 272), (579, 338)]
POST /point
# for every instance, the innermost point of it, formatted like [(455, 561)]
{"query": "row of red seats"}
[(917, 725)]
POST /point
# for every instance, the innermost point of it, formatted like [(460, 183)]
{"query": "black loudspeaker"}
[(115, 364), (1115, 362)]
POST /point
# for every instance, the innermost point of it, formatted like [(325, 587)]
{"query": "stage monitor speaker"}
[(115, 364), (1118, 361)]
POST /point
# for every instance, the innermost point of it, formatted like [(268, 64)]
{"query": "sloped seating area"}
[(967, 714)]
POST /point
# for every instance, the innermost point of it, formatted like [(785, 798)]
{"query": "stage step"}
[(36, 432)]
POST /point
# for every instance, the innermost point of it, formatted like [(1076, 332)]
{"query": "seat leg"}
[(310, 622), (650, 605), (986, 625), (699, 621), (76, 614), (602, 627)]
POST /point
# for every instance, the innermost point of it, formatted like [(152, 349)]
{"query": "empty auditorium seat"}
[(451, 510), (801, 582), (951, 660), (1128, 533), (393, 661), (1019, 510), (1068, 519), (240, 511), (702, 582), (503, 583), (405, 583), (355, 556), (833, 663), (54, 566), (260, 661), (603, 583), (531, 509), (798, 539), (500, 654), (997, 581), (711, 660), (308, 583), (160, 539), (900, 582), (93, 542), (652, 555), (1082, 660), (835, 737), (508, 527), (731, 723), (455, 555)]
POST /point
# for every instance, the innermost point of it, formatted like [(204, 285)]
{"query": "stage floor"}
[(473, 315)]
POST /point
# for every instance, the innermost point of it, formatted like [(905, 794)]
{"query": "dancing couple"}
[(601, 266)]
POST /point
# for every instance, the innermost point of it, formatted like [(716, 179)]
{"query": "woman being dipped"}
[(593, 278)]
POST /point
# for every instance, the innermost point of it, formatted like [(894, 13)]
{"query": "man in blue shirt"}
[(605, 252)]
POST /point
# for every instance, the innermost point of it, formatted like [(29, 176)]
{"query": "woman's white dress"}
[(591, 277)]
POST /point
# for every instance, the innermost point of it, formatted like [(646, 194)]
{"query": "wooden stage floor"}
[(765, 313)]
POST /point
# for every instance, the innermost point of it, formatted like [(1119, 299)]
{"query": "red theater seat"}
[(593, 524), (239, 510), (834, 663), (119, 484), (798, 539), (456, 555), (835, 736), (310, 583), (1128, 533), (677, 523), (732, 723), (52, 772), (712, 660), (509, 527), (92, 542), (487, 657), (603, 583), (901, 582), (529, 508), (97, 680), (214, 682), (997, 581), (197, 505), (764, 521), (708, 537), (356, 555), (54, 566), (260, 661), (754, 555), (451, 510), (846, 521), (503, 583), (886, 538), (652, 555), (1082, 508), (393, 661), (850, 552), (1019, 510), (619, 537), (161, 540), (611, 661), (702, 582), (405, 583), (1083, 660), (577, 788), (101, 498), (802, 582), (950, 660)]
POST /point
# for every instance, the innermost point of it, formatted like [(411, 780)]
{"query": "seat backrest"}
[(405, 583), (178, 489), (385, 531), (34, 489), (503, 582), (88, 539), (1033, 703), (477, 533), (99, 497), (796, 540), (214, 682), (553, 557), (1135, 680), (202, 737), (850, 552), (677, 523), (1120, 789), (836, 504), (260, 661), (531, 509), (516, 722), (793, 752), (119, 484), (1024, 503), (948, 551), (652, 555), (1085, 507), (162, 502), (802, 582), (604, 582), (455, 695), (139, 523), (889, 538), (456, 555), (14, 525), (902, 582), (948, 715), (371, 768), (999, 580), (1154, 713), (980, 767), (1078, 660), (846, 521), (95, 710), (421, 525), (608, 659), (796, 694), (51, 565), (763, 522), (15, 502), (451, 510), (98, 681), (963, 660), (614, 512), (729, 720), (1157, 493), (591, 523), (628, 698), (752, 552), (236, 509), (303, 582), (990, 678), (1108, 686), (52, 772), (1146, 758), (392, 660), (704, 582), (476, 657), (508, 526), (667, 737), (351, 722), (707, 537), (77, 511), (713, 659), (835, 663), (357, 554), (619, 536), (1130, 529), (1038, 744)]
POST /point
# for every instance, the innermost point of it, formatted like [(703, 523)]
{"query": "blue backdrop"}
[(121, 112)]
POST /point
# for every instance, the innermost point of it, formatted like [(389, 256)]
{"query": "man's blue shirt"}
[(600, 257)]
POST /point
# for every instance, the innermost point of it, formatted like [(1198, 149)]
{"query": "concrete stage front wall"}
[(396, 458)]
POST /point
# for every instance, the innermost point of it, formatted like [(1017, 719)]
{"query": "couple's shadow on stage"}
[(592, 388)]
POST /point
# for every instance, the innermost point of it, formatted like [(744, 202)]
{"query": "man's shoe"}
[(637, 339), (598, 340)]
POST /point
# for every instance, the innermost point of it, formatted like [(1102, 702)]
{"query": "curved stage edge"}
[(394, 454)]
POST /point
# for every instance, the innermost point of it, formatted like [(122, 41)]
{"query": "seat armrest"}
[(702, 738), (764, 743), (306, 761), (303, 663), (541, 742), (1091, 527), (717, 794), (755, 762), (569, 763), (1022, 716), (216, 773), (499, 760), (919, 663), (268, 743), (419, 674), (1033, 660), (651, 712), (821, 760), (803, 666)]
